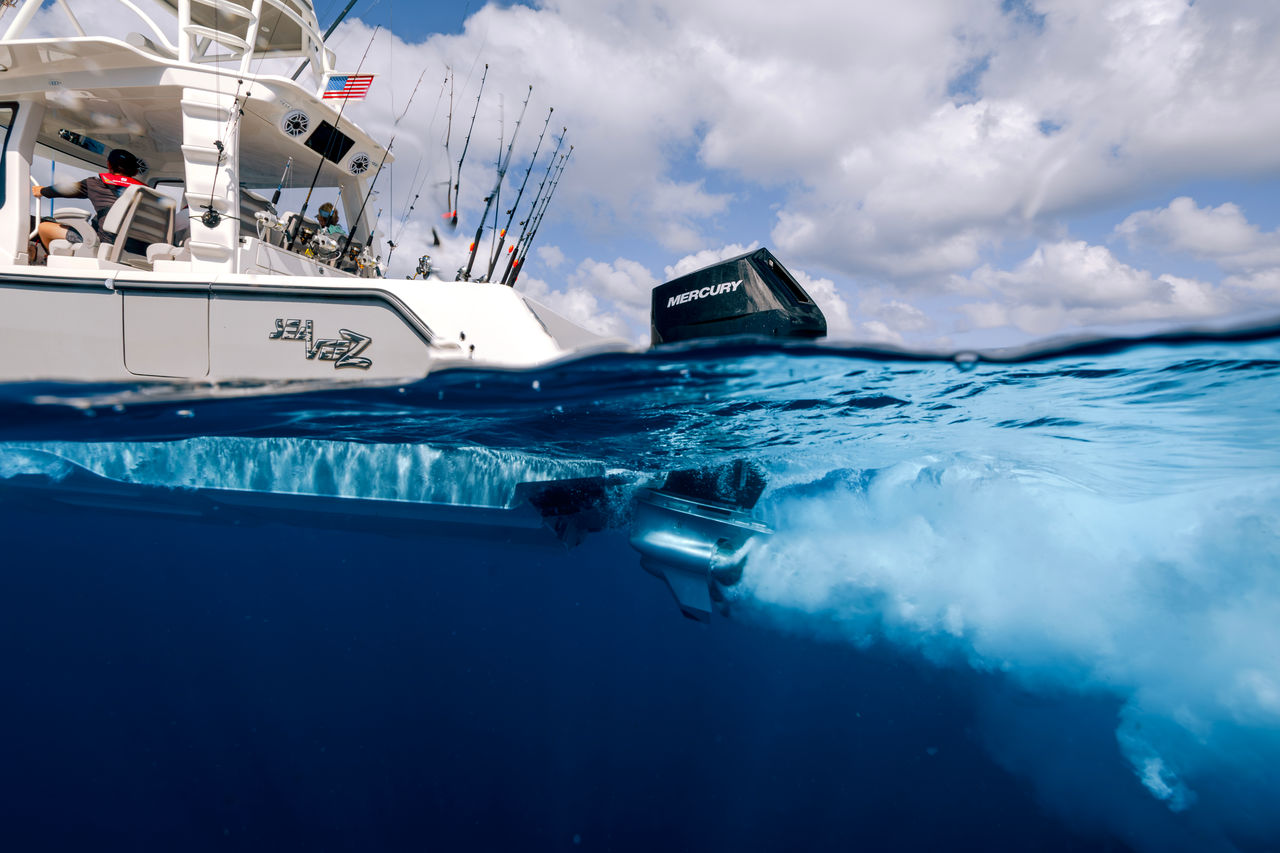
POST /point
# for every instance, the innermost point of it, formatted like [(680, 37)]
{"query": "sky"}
[(939, 175)]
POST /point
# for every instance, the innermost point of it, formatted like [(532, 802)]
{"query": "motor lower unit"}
[(696, 533)]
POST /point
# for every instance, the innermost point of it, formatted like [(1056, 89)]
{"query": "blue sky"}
[(939, 173), (975, 173)]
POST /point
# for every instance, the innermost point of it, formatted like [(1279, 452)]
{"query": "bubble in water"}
[(966, 361), (537, 386), (186, 413)]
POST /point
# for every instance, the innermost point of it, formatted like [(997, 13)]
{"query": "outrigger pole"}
[(524, 225), (511, 214), (465, 273), (555, 182)]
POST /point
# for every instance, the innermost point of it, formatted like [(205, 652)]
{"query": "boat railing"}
[(218, 31)]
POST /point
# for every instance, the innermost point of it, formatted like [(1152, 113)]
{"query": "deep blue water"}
[(1031, 604)]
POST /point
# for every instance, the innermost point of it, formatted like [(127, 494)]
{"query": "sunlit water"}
[(1088, 526)]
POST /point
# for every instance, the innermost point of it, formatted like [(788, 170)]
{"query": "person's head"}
[(327, 214), (121, 162)]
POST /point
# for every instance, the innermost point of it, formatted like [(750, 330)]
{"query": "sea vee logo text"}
[(343, 352), (703, 293)]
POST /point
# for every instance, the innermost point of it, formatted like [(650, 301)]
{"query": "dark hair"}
[(327, 214), (121, 162)]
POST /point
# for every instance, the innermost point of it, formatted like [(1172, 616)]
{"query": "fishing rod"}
[(411, 94), (333, 140), (453, 208), (537, 196), (448, 132), (511, 214), (414, 185), (275, 197), (342, 253), (503, 163), (515, 273), (497, 194)]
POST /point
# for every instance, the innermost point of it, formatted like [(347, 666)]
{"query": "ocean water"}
[(1029, 602)]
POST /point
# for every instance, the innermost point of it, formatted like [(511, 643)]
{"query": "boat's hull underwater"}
[(692, 530), (129, 327)]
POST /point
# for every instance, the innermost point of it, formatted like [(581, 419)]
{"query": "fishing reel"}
[(424, 267), (322, 246), (266, 222), (370, 266)]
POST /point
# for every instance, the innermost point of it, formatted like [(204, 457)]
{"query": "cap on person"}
[(327, 214)]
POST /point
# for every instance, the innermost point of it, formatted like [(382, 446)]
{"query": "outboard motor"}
[(752, 294)]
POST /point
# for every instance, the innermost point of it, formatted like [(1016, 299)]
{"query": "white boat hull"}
[(128, 326)]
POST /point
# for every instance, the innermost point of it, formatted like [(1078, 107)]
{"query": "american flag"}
[(348, 85)]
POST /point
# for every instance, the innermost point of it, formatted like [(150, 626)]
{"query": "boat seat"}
[(140, 217), (68, 249), (165, 252), (79, 221)]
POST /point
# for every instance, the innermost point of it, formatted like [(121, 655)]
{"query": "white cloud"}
[(626, 282), (552, 256), (832, 303), (902, 149), (705, 258), (1071, 284), (888, 319), (1262, 286), (1221, 233), (580, 305)]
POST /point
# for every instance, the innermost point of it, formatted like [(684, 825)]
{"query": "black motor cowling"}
[(752, 294)]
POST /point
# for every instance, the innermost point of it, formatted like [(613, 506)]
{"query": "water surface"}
[(1031, 603)]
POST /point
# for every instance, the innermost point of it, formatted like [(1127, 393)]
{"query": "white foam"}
[(1169, 602)]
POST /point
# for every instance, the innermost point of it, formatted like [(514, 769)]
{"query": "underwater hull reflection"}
[(698, 547), (69, 485)]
